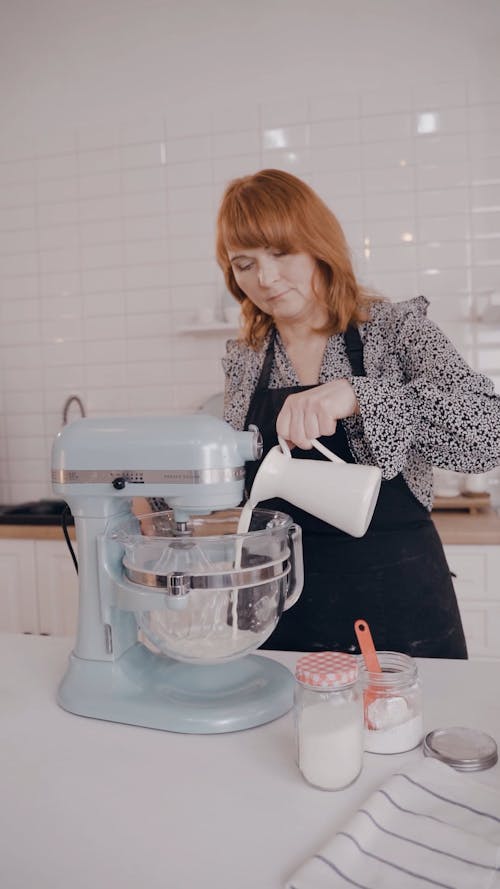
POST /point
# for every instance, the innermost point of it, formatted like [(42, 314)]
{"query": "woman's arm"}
[(442, 409)]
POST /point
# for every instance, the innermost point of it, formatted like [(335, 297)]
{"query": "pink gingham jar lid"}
[(327, 669)]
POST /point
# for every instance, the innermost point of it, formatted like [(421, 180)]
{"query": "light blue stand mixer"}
[(171, 605)]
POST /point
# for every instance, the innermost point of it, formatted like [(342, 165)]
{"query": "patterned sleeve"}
[(241, 367), (438, 407)]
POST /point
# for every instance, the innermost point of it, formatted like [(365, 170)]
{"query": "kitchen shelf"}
[(472, 503)]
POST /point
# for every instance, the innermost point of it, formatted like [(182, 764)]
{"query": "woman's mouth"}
[(274, 296)]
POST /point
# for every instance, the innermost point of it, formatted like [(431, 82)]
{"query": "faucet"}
[(67, 405)]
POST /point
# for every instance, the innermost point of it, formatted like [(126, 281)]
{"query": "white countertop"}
[(96, 805)]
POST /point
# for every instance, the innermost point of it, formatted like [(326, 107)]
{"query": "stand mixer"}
[(169, 616)]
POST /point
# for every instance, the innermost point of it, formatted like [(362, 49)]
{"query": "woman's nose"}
[(268, 273)]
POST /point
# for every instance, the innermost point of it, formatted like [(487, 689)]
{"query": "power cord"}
[(64, 522)]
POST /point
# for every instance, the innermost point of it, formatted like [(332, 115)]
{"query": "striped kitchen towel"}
[(426, 827)]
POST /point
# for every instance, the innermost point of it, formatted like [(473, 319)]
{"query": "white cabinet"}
[(18, 593), (477, 585), (57, 588), (39, 587)]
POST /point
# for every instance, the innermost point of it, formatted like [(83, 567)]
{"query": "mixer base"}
[(151, 690)]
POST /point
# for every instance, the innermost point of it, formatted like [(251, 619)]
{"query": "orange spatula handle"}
[(367, 647)]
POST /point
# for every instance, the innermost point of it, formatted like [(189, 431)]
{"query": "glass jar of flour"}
[(328, 719), (392, 704)]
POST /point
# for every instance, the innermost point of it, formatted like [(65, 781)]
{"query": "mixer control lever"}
[(108, 638)]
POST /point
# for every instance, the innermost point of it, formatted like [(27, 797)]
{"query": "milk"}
[(243, 526), (330, 744)]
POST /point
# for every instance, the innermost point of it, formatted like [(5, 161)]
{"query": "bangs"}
[(253, 218)]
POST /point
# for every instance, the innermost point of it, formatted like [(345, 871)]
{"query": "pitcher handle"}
[(316, 444), (296, 567), (325, 451), (284, 446)]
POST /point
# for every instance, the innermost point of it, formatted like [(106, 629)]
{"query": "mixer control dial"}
[(119, 483)]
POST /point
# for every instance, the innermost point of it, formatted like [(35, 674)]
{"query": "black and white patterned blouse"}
[(420, 403)]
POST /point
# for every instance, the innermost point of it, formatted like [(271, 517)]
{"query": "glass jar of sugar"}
[(392, 704), (329, 719)]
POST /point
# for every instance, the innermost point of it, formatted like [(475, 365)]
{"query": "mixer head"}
[(195, 462)]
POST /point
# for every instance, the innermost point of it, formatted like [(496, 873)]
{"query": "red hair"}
[(272, 208)]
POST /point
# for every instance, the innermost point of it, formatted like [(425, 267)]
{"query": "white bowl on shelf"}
[(447, 483), (476, 483)]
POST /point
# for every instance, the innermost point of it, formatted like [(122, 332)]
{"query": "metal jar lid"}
[(466, 749)]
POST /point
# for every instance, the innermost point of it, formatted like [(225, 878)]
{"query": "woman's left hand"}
[(310, 414)]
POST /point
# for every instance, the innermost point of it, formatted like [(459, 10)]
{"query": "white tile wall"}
[(106, 244)]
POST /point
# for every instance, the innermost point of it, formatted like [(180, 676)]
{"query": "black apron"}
[(395, 577)]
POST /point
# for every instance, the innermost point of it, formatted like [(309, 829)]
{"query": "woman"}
[(379, 383)]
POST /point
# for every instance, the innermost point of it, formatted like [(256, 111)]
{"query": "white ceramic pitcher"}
[(342, 494)]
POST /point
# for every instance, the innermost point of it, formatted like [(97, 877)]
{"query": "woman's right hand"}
[(314, 412)]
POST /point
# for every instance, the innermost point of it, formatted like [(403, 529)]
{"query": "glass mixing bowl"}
[(220, 589)]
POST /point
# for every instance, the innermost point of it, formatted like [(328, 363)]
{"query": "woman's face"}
[(279, 284)]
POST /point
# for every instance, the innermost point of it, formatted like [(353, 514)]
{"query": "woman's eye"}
[(244, 268)]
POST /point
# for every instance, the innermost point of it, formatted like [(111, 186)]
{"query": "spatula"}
[(367, 647), (372, 664)]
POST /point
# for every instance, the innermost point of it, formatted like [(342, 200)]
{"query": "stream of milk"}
[(243, 526)]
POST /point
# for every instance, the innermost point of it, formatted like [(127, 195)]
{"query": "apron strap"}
[(354, 347), (265, 374)]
